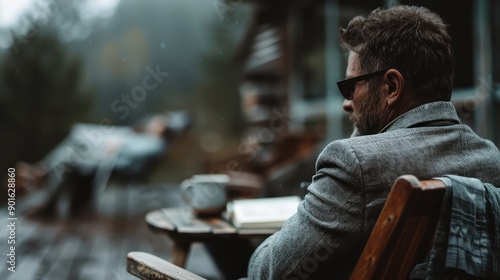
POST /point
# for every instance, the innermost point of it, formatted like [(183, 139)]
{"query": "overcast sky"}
[(11, 13)]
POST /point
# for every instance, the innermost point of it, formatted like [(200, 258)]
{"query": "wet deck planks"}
[(94, 247)]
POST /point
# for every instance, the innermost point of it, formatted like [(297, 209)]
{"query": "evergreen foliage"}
[(42, 95)]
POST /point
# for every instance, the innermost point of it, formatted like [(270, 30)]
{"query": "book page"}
[(263, 212)]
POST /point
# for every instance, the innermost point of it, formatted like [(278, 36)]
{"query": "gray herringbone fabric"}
[(354, 176)]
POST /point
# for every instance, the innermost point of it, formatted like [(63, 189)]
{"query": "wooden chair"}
[(150, 267), (401, 237), (404, 231)]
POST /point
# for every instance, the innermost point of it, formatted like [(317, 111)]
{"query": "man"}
[(397, 92)]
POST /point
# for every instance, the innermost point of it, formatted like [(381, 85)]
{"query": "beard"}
[(369, 118)]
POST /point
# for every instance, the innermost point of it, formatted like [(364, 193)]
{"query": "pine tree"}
[(42, 95)]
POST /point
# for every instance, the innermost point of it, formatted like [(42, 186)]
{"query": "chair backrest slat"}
[(404, 230)]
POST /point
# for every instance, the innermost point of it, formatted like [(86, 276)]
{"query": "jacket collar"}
[(434, 112)]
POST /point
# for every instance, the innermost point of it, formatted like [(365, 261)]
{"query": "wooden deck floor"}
[(94, 247)]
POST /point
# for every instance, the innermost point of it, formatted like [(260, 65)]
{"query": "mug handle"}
[(186, 190)]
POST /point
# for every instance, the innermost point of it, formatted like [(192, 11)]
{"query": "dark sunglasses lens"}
[(346, 88)]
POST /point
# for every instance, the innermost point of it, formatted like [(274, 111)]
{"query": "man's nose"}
[(347, 106)]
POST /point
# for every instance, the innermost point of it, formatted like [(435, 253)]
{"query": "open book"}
[(262, 212)]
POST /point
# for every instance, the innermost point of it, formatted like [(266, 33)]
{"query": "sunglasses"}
[(348, 86)]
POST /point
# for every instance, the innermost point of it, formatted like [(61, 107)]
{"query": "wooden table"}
[(184, 228)]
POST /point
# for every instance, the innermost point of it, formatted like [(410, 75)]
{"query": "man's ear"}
[(395, 85)]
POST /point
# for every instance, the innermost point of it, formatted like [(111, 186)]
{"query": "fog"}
[(112, 47)]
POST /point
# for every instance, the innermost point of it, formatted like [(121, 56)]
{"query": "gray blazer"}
[(353, 178)]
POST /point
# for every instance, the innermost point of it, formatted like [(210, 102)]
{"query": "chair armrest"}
[(148, 267)]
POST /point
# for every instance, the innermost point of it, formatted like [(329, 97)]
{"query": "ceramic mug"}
[(205, 193)]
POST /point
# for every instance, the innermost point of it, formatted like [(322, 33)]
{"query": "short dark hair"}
[(412, 40)]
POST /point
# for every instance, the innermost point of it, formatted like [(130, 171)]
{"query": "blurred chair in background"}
[(92, 155)]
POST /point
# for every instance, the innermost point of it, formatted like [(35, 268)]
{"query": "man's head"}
[(409, 51)]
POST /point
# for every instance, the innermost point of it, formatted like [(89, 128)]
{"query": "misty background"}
[(64, 61)]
